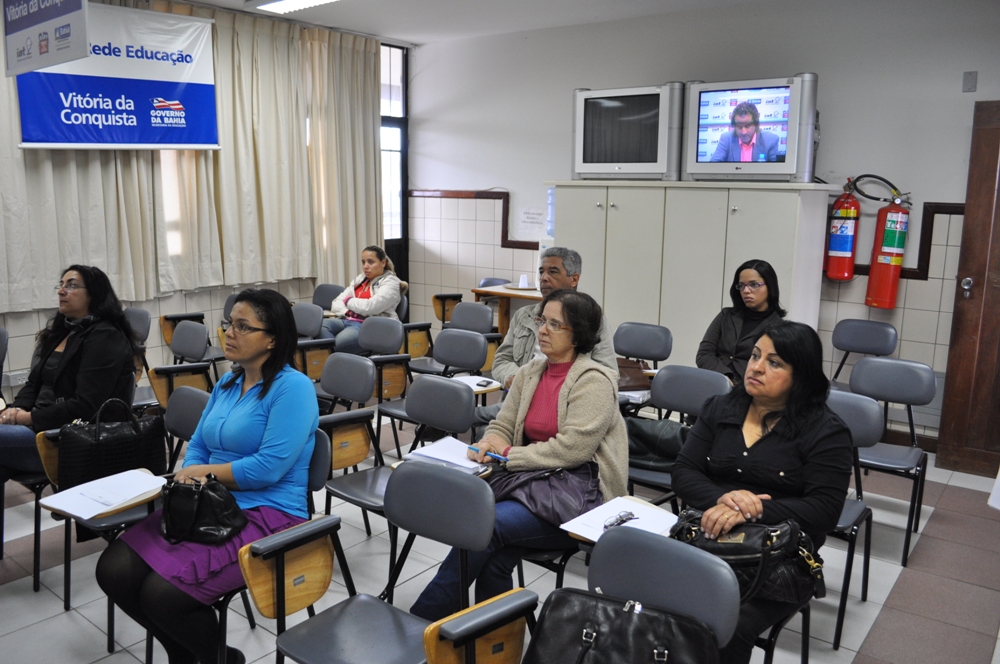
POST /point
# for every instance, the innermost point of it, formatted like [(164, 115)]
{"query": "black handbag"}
[(579, 627), (654, 444), (92, 451), (556, 495), (777, 562), (204, 513)]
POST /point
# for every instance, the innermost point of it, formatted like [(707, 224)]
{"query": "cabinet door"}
[(763, 225), (632, 255), (694, 280), (580, 225)]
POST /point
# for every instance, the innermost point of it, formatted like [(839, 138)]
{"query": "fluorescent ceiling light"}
[(289, 6)]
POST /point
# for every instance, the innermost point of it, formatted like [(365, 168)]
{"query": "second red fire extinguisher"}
[(842, 245), (887, 255)]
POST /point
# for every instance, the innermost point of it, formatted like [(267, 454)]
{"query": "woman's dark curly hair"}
[(582, 314), (275, 314), (799, 346), (104, 305)]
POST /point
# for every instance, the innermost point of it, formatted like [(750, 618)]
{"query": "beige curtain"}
[(344, 150)]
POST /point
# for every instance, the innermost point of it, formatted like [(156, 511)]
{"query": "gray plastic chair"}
[(685, 390), (457, 351), (472, 316), (308, 319), (325, 294), (308, 323), (190, 342), (651, 569), (460, 354), (641, 341), (181, 419), (227, 308), (863, 416), (869, 337), (382, 338), (903, 382), (442, 504), (140, 320)]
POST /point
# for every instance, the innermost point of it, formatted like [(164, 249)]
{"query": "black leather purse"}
[(92, 451), (556, 495), (204, 513), (776, 562), (579, 627)]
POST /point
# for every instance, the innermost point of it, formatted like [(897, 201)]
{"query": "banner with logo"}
[(42, 33), (148, 83)]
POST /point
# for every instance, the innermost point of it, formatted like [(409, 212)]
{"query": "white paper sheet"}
[(88, 500), (650, 518), (473, 382), (449, 450)]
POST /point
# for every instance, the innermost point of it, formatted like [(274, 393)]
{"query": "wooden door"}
[(970, 419)]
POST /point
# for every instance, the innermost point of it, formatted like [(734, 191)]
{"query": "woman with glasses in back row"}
[(83, 357), (729, 340)]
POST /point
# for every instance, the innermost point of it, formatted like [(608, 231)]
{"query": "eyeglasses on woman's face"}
[(752, 285), (554, 324), (70, 287), (241, 328)]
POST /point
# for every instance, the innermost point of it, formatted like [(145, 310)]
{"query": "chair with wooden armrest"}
[(169, 324), (140, 321), (417, 342), (312, 351), (381, 338)]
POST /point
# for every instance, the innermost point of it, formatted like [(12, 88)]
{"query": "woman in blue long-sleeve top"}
[(256, 436)]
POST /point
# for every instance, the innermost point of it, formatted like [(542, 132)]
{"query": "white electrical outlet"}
[(18, 378)]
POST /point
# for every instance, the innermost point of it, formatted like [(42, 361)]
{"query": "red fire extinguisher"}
[(842, 244), (887, 255)]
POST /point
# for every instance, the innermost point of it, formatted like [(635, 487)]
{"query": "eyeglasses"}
[(69, 288), (552, 324), (752, 285), (619, 519), (242, 328)]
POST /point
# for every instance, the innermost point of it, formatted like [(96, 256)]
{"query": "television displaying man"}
[(558, 268), (746, 142)]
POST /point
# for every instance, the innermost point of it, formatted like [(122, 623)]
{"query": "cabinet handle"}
[(613, 205), (735, 208), (600, 205)]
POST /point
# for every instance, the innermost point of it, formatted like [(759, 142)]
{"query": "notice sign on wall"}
[(42, 33), (148, 83)]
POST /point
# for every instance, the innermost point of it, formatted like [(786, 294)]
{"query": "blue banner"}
[(98, 110)]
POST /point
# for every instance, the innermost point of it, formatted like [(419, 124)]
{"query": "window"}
[(393, 139)]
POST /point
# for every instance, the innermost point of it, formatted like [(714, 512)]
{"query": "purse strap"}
[(121, 406)]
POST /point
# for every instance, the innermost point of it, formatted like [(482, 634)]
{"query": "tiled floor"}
[(944, 607)]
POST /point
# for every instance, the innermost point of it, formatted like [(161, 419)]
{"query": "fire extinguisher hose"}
[(897, 196)]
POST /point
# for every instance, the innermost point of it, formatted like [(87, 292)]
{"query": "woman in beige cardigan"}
[(561, 412)]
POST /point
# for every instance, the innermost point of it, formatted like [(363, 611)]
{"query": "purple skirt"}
[(204, 571)]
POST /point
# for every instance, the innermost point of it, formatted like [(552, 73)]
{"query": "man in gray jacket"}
[(558, 268)]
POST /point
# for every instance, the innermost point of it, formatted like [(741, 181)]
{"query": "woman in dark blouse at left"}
[(769, 450)]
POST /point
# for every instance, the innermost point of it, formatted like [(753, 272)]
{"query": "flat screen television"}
[(628, 132), (763, 129)]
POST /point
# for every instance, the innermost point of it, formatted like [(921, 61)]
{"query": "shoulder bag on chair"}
[(109, 446), (772, 561), (556, 495), (579, 627)]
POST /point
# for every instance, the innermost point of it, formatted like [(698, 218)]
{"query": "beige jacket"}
[(590, 426)]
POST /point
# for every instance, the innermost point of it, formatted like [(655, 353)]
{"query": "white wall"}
[(497, 112)]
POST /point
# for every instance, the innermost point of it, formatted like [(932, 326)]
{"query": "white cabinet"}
[(666, 252)]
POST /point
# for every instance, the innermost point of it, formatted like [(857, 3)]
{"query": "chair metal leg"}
[(520, 574), (368, 527), (393, 537), (149, 647), (868, 556), (37, 558), (111, 626), (68, 561), (911, 524), (845, 588), (3, 491), (922, 470), (805, 611), (251, 618), (338, 549)]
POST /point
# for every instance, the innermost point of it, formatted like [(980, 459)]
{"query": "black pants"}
[(756, 617), (188, 629)]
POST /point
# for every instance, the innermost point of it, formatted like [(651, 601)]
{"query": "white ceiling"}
[(414, 22)]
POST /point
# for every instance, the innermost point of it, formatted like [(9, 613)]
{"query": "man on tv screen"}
[(746, 142)]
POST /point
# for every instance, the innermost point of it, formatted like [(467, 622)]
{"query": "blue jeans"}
[(515, 532), (18, 453), (344, 331)]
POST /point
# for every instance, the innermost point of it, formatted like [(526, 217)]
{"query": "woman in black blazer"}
[(84, 356), (728, 342)]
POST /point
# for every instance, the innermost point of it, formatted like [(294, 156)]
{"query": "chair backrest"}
[(643, 341), (403, 308), (870, 337), (381, 335), (325, 294), (894, 381), (308, 319), (861, 414), (486, 282), (349, 377), (442, 504), (460, 349), (685, 389), (651, 569), (184, 411), (140, 321), (472, 316), (190, 341), (227, 308), (319, 464), (441, 403)]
